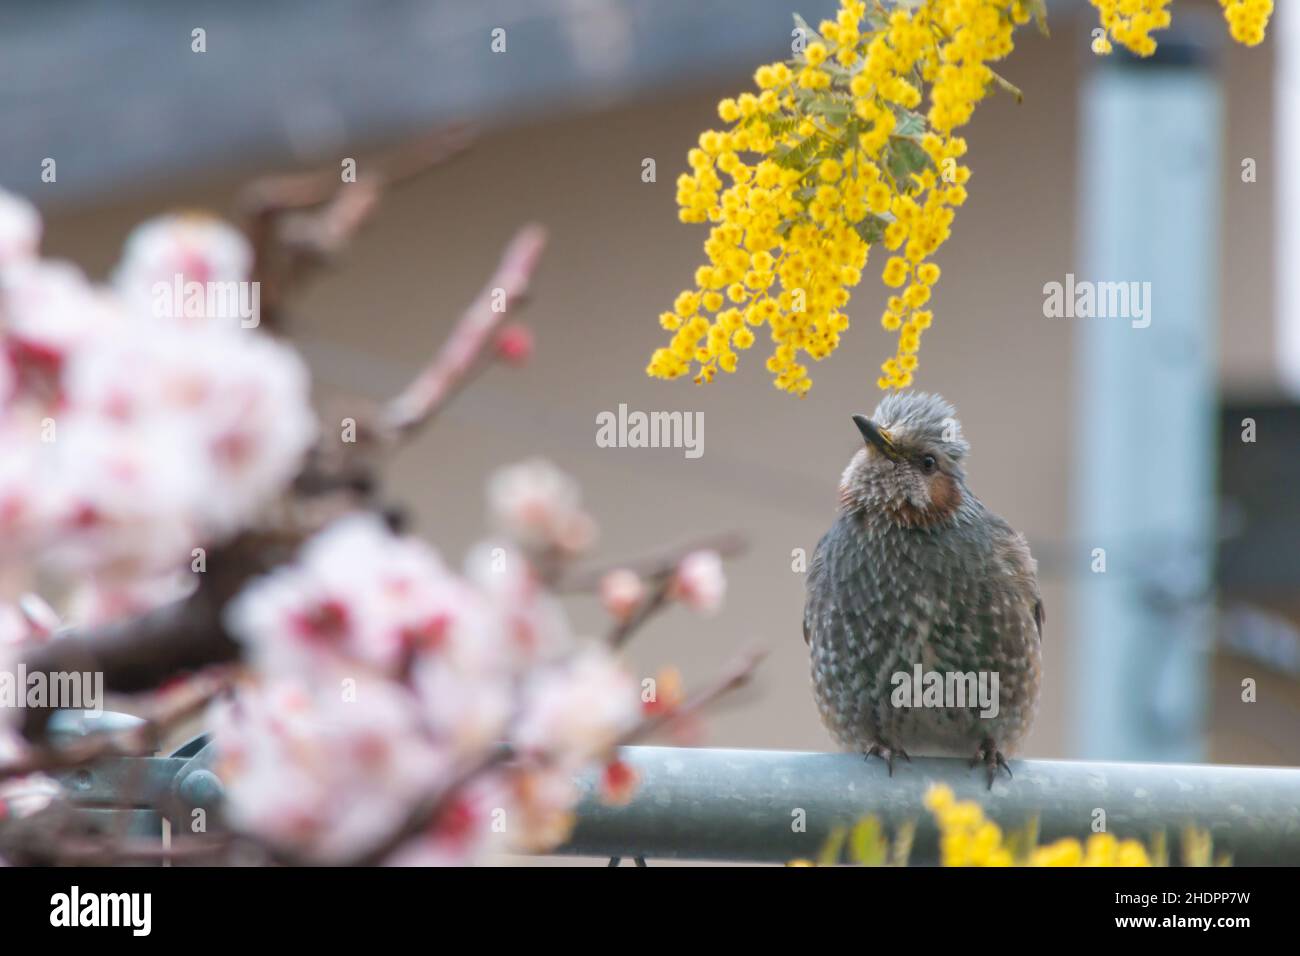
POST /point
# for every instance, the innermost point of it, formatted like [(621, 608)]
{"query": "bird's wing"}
[(816, 569), (1013, 549)]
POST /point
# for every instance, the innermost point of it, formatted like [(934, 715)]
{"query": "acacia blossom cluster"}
[(849, 146), (968, 838), (1130, 23), (848, 156), (383, 673), (134, 433)]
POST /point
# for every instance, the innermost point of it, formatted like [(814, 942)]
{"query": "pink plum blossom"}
[(538, 506), (699, 582), (621, 593), (325, 769)]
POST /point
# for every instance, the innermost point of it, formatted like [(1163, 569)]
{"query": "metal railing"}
[(775, 806)]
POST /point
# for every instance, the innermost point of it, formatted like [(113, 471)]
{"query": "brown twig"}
[(298, 222), (733, 678), (623, 630), (422, 400), (274, 194), (728, 544), (140, 653), (661, 571)]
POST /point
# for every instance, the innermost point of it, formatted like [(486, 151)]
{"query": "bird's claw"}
[(887, 754), (993, 761)]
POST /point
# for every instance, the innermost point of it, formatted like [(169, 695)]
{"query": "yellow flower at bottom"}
[(939, 797)]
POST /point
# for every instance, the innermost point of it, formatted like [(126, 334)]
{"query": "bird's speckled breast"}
[(956, 598)]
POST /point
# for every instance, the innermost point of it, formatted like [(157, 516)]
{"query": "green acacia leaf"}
[(797, 157), (905, 158), (867, 845), (837, 110), (833, 849), (901, 851), (1039, 9), (872, 229), (779, 125), (910, 125)]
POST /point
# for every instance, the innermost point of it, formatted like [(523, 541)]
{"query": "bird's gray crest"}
[(922, 417)]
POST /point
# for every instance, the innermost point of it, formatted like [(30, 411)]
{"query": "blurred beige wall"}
[(771, 463)]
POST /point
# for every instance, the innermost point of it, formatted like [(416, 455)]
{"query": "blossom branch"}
[(733, 678), (624, 629), (138, 654), (727, 544), (297, 222), (353, 467), (662, 571), (455, 362), (427, 811)]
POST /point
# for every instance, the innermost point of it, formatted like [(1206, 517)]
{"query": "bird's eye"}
[(928, 464)]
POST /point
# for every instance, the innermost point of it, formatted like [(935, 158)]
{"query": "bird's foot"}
[(887, 754), (989, 755)]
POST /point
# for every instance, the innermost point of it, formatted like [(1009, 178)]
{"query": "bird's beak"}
[(878, 438)]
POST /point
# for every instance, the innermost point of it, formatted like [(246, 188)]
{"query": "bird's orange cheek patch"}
[(945, 494)]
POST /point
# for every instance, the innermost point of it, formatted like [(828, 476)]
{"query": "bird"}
[(917, 577)]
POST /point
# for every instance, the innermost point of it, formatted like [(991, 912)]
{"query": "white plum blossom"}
[(467, 712), (579, 710), (129, 439), (230, 411), (50, 310), (481, 660), (466, 829), (28, 502), (621, 593), (699, 581), (533, 624), (96, 601), (538, 506), (134, 432), (323, 769), (541, 807), (20, 229), (360, 594), (192, 248)]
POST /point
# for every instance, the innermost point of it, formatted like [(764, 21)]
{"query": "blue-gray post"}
[(1145, 400)]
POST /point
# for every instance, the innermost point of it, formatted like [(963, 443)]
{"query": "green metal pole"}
[(775, 806)]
